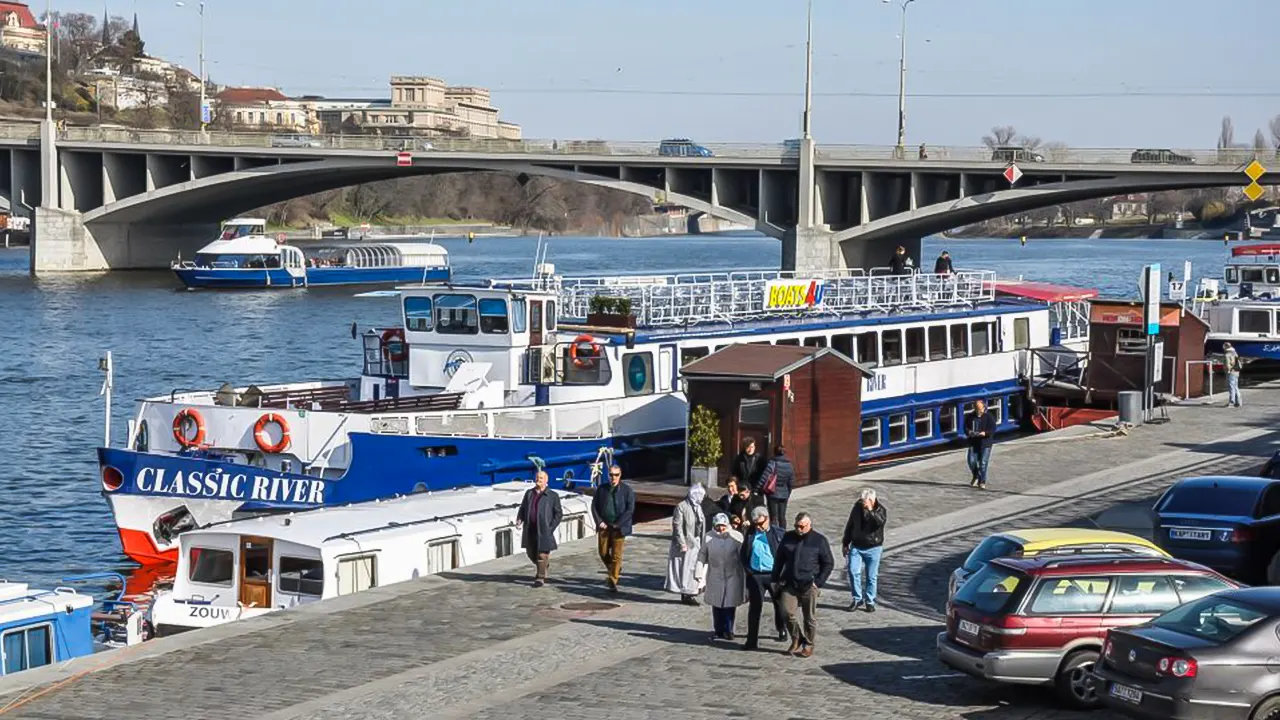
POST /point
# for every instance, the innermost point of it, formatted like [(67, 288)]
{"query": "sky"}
[(1087, 73)]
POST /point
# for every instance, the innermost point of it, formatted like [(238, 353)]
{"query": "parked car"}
[(1042, 621), (1231, 524), (1272, 467), (296, 141), (1162, 156), (1058, 541), (682, 147), (1008, 154), (1212, 658)]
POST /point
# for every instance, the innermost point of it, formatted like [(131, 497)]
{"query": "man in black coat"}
[(981, 433), (613, 507), (800, 569), (900, 262), (942, 266), (759, 548), (738, 503), (539, 516), (781, 474), (863, 544)]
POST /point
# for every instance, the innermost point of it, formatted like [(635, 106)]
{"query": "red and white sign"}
[(1013, 174), (404, 159)]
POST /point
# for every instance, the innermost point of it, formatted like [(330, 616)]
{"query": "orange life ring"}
[(395, 334), (179, 429), (260, 433), (589, 353)]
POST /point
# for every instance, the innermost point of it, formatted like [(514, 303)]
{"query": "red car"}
[(1042, 620)]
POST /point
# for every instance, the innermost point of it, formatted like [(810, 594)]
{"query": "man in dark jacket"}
[(612, 508), (862, 544), (782, 476), (739, 503), (942, 266), (749, 464), (981, 433), (538, 518), (900, 262), (800, 569), (759, 548)]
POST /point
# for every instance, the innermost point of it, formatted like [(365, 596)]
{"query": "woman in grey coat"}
[(688, 526)]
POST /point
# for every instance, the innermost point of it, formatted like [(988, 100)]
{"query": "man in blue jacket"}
[(759, 548), (981, 433), (612, 508)]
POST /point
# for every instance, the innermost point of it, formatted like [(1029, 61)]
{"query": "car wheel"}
[(1268, 710), (1074, 684)]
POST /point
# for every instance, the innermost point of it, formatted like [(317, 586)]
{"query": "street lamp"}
[(200, 9), (902, 79), (48, 61), (808, 74)]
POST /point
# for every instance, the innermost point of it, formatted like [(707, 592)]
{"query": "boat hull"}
[(280, 278)]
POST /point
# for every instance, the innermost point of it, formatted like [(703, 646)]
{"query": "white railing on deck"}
[(572, 422)]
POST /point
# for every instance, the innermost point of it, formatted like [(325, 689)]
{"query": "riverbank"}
[(1083, 232)]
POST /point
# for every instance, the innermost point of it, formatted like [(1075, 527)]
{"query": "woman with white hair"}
[(688, 526), (726, 582)]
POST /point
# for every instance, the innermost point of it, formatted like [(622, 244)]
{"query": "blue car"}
[(1231, 524), (682, 147)]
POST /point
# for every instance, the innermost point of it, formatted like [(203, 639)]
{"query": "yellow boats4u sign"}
[(792, 294)]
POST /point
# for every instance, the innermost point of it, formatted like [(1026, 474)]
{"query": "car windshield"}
[(1211, 618), (993, 547), (994, 590), (1209, 500)]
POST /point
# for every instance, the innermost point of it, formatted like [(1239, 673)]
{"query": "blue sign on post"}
[(206, 113), (1151, 298)]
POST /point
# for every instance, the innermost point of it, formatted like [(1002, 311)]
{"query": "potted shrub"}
[(605, 311), (704, 446)]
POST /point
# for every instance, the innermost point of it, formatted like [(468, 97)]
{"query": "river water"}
[(53, 519)]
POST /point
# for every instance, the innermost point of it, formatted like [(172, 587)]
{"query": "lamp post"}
[(48, 61), (200, 10), (808, 74), (902, 79)]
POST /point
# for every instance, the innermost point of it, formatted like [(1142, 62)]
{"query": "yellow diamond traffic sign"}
[(1255, 171), (1253, 190)]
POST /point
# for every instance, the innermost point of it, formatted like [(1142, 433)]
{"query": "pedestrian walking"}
[(800, 569), (942, 266), (688, 527), (775, 485), (612, 508), (759, 548), (863, 543), (749, 464), (981, 433), (539, 516), (1231, 363), (738, 504), (725, 580)]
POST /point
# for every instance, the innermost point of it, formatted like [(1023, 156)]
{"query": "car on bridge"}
[(1162, 156), (1009, 153), (682, 147), (296, 141), (1230, 523)]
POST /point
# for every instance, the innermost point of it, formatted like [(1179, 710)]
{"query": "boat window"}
[(211, 566), (980, 339), (897, 429), (1015, 407), (357, 573), (959, 341), (1251, 274), (551, 315), (573, 527), (493, 316), (456, 314), (442, 556), (789, 341), (843, 344), (689, 354), (535, 319), (1253, 321), (27, 648), (585, 363), (968, 411), (818, 341), (753, 412), (1130, 341), (1021, 333), (915, 345), (868, 349), (891, 345), (947, 419), (938, 342), (870, 433), (638, 372), (503, 543), (1273, 276), (519, 313), (996, 407), (301, 576), (231, 232), (924, 424), (1232, 275)]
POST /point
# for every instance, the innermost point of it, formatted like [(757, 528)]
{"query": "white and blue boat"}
[(42, 627), (244, 256), (482, 384)]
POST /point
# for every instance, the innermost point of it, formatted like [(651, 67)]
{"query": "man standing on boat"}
[(942, 266), (900, 262), (539, 516), (981, 433), (1231, 364), (613, 507)]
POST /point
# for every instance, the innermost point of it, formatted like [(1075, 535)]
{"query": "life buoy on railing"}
[(180, 433), (395, 335), (584, 352), (263, 440)]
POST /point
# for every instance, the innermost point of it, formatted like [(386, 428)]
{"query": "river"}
[(52, 331)]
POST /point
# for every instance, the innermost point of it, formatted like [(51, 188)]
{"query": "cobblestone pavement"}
[(482, 643)]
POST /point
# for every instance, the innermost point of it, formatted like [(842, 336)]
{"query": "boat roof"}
[(245, 221), (1046, 292), (18, 601), (313, 528), (246, 245), (1255, 249)]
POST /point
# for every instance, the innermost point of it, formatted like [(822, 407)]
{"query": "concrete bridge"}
[(110, 198)]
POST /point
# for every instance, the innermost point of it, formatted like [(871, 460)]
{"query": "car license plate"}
[(968, 628), (1187, 534), (1124, 692)]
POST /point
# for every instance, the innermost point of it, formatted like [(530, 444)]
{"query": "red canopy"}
[(1045, 292), (1259, 249)]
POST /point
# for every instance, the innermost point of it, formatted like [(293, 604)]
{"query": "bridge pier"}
[(875, 252), (62, 242)]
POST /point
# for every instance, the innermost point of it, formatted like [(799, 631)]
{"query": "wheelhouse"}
[(1253, 271)]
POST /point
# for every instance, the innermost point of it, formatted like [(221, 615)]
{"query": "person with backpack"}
[(1231, 363), (775, 485)]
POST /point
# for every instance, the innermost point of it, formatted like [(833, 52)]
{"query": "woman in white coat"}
[(726, 581), (688, 526)]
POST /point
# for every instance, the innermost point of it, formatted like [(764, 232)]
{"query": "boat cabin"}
[(1253, 271), (244, 244), (256, 565), (42, 627)]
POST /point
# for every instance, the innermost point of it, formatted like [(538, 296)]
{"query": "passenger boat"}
[(1242, 308), (244, 256), (481, 384), (249, 567), (42, 627)]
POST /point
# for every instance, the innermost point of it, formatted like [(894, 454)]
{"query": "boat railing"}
[(574, 422)]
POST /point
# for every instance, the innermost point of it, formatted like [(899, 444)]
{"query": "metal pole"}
[(105, 364), (808, 74), (48, 60), (902, 82), (202, 75)]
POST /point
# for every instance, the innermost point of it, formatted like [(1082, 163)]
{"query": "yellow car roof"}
[(1036, 540)]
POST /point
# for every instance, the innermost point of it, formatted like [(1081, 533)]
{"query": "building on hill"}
[(258, 108), (419, 105), (19, 30)]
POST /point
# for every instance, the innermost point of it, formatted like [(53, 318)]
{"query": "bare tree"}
[(1275, 131), (1030, 142), (1056, 151), (1260, 141), (1001, 136), (1227, 135)]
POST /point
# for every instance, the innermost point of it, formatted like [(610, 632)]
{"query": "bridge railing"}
[(1053, 156)]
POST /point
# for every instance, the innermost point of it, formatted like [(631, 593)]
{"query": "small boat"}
[(42, 627), (244, 256), (247, 567)]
